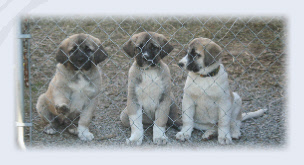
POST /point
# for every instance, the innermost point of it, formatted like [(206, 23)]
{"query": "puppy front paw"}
[(224, 139), (160, 140), (136, 137), (159, 136), (62, 109), (134, 141), (236, 134), (183, 136), (84, 134)]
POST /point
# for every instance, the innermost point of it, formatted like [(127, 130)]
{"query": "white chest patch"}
[(206, 92), (81, 90), (149, 91), (80, 84)]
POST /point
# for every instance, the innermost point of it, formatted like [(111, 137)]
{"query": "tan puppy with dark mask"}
[(149, 88), (71, 95)]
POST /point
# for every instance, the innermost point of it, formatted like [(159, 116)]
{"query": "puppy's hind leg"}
[(125, 118), (43, 111), (51, 128), (236, 117)]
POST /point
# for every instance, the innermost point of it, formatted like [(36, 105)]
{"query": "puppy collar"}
[(212, 73)]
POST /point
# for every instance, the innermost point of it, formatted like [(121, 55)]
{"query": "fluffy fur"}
[(208, 103), (149, 88), (70, 99)]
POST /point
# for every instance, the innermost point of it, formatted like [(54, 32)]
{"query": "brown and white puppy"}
[(149, 88), (208, 103), (71, 95)]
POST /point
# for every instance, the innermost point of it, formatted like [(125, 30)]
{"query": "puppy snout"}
[(145, 55), (81, 59), (181, 65), (182, 62)]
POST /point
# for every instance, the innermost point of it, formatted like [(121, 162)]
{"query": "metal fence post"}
[(19, 82), (252, 52), (19, 89)]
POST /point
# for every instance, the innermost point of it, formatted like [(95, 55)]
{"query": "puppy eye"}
[(154, 47), (73, 49), (88, 49), (138, 48), (195, 56)]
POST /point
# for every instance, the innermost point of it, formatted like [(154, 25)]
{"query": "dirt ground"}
[(254, 57)]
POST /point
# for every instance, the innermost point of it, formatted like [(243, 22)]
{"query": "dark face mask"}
[(148, 54), (191, 65), (80, 57)]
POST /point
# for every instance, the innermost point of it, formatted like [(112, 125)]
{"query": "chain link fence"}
[(254, 56)]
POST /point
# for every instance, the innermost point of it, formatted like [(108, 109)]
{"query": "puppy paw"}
[(62, 109), (49, 129), (182, 136), (225, 139), (159, 136), (136, 137), (134, 141), (209, 134), (160, 140), (84, 134), (236, 135), (73, 131)]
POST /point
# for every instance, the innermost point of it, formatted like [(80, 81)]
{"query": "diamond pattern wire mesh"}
[(253, 55)]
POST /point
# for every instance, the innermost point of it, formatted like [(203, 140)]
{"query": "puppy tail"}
[(254, 114)]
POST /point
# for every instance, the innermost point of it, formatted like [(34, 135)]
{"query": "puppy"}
[(208, 103), (149, 88), (71, 95)]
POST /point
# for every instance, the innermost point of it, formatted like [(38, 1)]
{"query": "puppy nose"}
[(181, 64), (81, 59)]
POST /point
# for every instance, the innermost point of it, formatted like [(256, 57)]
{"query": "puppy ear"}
[(166, 47), (212, 53), (129, 48), (99, 55), (61, 55)]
